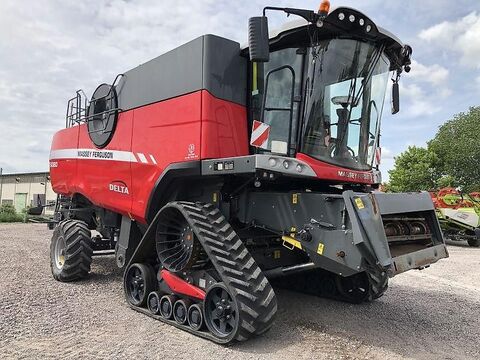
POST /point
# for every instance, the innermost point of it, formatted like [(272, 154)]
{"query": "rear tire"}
[(70, 251)]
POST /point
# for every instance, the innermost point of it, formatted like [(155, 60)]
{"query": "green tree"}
[(457, 147), (414, 170)]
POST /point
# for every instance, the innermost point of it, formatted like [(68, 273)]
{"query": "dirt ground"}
[(429, 314)]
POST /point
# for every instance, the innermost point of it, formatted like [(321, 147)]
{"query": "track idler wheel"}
[(153, 302), (166, 306), (221, 312), (139, 283), (180, 311), (195, 317)]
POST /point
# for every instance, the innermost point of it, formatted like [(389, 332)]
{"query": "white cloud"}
[(434, 74), (423, 89), (461, 36), (419, 102)]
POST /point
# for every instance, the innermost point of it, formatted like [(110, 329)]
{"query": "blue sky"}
[(50, 48)]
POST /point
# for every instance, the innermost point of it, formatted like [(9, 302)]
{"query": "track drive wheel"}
[(71, 251), (139, 283), (221, 312)]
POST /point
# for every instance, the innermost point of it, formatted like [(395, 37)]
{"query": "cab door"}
[(276, 98)]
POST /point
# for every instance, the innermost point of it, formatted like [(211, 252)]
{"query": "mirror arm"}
[(308, 15)]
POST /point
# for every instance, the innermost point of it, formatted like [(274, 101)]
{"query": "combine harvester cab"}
[(210, 176)]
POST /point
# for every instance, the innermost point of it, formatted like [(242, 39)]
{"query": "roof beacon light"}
[(324, 8)]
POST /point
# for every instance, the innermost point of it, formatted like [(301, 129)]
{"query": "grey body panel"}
[(391, 203), (253, 163), (419, 259), (208, 62), (350, 224)]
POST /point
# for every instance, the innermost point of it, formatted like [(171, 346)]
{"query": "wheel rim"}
[(135, 284), (60, 246), (221, 314)]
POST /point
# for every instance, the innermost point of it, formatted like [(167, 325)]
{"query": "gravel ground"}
[(429, 314)]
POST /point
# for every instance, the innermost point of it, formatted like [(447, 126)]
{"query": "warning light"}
[(324, 8)]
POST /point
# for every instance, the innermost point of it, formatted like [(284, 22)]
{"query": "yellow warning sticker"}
[(359, 203), (320, 248), (276, 254), (293, 242), (294, 198)]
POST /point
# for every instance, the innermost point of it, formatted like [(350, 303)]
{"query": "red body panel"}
[(336, 173), (63, 172), (224, 128), (146, 140), (95, 176), (180, 286)]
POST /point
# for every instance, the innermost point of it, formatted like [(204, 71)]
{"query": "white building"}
[(27, 189)]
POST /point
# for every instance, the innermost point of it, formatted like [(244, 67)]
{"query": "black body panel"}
[(209, 62)]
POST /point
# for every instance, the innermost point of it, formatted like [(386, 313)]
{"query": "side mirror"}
[(395, 98), (258, 39)]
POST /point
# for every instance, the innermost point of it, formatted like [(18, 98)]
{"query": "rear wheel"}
[(71, 251)]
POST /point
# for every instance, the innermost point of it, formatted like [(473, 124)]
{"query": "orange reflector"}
[(324, 7)]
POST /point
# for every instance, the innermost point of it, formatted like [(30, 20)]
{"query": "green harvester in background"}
[(458, 214)]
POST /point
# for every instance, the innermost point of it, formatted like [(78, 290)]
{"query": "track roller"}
[(180, 311), (153, 302), (195, 317), (166, 306)]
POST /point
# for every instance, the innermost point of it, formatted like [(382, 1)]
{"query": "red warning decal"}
[(260, 134)]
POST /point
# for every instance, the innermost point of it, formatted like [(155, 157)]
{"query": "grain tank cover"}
[(208, 62)]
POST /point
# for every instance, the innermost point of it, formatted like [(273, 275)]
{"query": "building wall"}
[(18, 189)]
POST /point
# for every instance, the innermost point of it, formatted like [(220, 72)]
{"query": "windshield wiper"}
[(375, 58)]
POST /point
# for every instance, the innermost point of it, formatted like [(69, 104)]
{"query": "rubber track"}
[(257, 303), (236, 267), (78, 251)]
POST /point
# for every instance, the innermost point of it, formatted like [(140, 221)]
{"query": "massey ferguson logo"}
[(355, 176), (118, 187)]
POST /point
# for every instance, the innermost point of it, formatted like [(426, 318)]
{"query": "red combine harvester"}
[(214, 169)]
